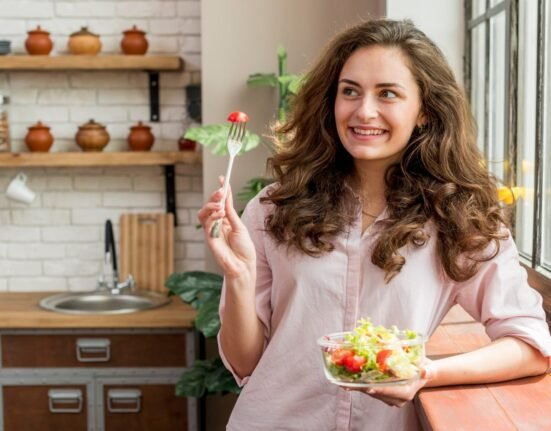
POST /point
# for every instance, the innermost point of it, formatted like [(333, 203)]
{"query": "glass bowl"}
[(377, 363)]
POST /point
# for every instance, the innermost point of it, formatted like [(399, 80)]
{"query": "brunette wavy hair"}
[(441, 176)]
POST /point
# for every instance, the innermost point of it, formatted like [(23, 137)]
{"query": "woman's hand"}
[(399, 395), (233, 250)]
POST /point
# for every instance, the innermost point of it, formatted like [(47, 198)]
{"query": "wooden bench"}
[(523, 404)]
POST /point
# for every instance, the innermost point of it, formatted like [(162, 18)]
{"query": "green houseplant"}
[(202, 290)]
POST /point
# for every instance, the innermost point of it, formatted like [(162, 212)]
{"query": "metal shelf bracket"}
[(154, 113)]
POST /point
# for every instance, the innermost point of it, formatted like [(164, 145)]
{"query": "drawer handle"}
[(93, 349), (124, 400), (65, 400)]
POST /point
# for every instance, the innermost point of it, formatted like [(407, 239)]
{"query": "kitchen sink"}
[(103, 302)]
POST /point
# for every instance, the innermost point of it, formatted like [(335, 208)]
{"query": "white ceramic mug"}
[(19, 191)]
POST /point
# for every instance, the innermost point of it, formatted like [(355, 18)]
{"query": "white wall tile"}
[(20, 268), (33, 284), (40, 217), (85, 8), (36, 251), (27, 9)]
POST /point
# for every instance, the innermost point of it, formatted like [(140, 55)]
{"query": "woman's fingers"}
[(209, 212), (232, 216)]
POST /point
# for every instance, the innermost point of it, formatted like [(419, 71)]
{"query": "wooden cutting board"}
[(147, 249)]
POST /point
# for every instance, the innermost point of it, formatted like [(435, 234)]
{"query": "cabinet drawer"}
[(45, 408), (97, 350), (143, 407)]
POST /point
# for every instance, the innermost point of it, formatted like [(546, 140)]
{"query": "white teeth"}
[(368, 132)]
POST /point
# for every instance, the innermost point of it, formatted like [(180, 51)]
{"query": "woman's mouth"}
[(369, 133)]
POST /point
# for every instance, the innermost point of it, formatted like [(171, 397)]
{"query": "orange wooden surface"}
[(526, 401), (20, 310), (523, 404), (468, 408)]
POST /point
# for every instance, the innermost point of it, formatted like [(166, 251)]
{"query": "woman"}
[(381, 208)]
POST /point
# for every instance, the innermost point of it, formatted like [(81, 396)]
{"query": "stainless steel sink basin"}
[(103, 302)]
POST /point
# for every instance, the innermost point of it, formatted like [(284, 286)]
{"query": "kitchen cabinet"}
[(64, 409), (94, 380), (94, 373)]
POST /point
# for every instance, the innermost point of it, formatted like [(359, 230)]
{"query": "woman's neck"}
[(369, 184)]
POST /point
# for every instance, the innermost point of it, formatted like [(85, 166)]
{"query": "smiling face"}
[(377, 105)]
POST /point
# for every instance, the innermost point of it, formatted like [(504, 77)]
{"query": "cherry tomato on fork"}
[(238, 117)]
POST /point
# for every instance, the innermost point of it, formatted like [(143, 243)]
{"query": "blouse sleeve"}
[(253, 218), (499, 297)]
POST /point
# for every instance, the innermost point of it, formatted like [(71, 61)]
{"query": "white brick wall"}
[(56, 243)]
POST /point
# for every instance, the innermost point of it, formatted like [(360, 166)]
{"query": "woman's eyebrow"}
[(389, 84), (381, 84), (348, 81)]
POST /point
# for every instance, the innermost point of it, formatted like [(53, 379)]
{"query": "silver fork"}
[(234, 143)]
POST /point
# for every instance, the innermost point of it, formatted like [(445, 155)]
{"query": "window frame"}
[(533, 264)]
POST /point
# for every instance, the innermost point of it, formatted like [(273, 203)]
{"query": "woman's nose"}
[(368, 109)]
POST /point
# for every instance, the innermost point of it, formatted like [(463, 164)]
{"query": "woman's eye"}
[(388, 94), (347, 91)]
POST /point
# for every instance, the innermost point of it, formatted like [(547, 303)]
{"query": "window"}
[(508, 79)]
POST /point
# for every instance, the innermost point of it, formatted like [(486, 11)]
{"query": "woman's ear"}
[(421, 120)]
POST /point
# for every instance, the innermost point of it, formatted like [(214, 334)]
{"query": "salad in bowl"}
[(372, 356)]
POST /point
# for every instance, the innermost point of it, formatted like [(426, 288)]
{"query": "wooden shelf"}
[(126, 158), (91, 62)]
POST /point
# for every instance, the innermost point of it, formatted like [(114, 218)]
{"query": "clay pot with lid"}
[(140, 137), (92, 136), (39, 138), (84, 42), (38, 42), (134, 42)]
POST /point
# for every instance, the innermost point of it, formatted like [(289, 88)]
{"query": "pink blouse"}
[(300, 298)]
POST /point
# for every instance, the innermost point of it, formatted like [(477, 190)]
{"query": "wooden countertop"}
[(21, 311), (522, 404)]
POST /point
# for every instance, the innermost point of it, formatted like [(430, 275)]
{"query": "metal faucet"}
[(109, 279)]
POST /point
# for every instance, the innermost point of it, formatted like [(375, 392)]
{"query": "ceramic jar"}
[(140, 137), (39, 138), (38, 42), (185, 144), (134, 42), (84, 42), (92, 136)]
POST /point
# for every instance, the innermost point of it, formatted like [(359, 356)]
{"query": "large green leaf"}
[(295, 83), (195, 287), (206, 377), (192, 382), (262, 79), (288, 79), (220, 380), (252, 188), (214, 137), (208, 320)]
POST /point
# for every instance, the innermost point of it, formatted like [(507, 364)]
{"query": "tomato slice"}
[(382, 357), (339, 355), (354, 363), (238, 117)]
